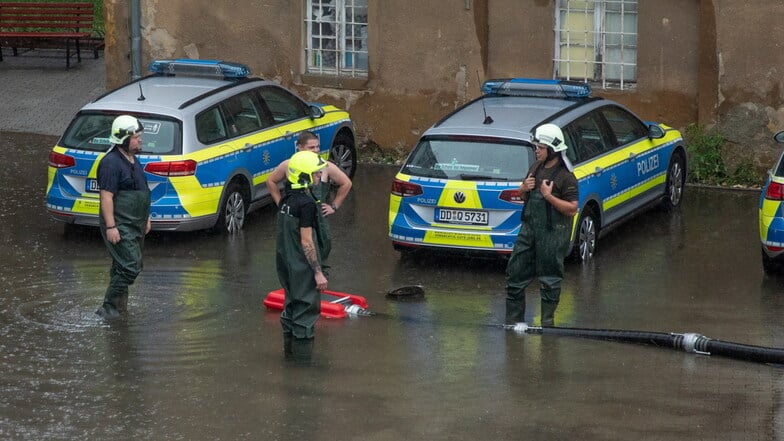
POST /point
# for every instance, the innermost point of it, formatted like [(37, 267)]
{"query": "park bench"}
[(39, 24)]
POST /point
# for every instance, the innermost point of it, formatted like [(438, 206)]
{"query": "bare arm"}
[(311, 255), (277, 175), (342, 181), (567, 208), (107, 213)]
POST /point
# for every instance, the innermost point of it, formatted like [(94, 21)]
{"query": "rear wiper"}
[(470, 177)]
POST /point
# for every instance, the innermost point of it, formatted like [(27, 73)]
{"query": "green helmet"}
[(123, 127), (302, 165)]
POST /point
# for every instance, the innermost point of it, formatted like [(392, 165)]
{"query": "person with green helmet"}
[(551, 201), (298, 259), (124, 211)]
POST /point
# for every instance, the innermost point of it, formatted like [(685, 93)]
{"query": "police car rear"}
[(771, 216), (458, 188)]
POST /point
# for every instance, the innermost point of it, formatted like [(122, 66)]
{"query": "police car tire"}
[(770, 266), (344, 154), (675, 170), (586, 224), (233, 192)]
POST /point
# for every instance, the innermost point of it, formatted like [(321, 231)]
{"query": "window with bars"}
[(596, 41), (336, 33)]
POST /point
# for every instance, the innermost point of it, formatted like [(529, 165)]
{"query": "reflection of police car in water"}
[(771, 216), (212, 135), (458, 189)]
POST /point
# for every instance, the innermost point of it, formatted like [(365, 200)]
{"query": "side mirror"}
[(316, 112), (655, 132), (779, 137)]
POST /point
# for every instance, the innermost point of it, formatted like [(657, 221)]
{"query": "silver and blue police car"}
[(771, 216), (458, 188), (212, 135)]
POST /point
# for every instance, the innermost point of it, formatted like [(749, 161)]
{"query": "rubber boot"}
[(108, 311), (302, 350), (548, 313), (515, 309), (122, 302), (288, 352)]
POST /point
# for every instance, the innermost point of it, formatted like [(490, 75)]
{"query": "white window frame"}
[(336, 41), (597, 53)]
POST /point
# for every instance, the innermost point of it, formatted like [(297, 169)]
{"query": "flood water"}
[(199, 357)]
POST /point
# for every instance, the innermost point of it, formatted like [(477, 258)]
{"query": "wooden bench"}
[(27, 24)]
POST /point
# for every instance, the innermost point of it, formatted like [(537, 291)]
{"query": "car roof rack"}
[(536, 88), (208, 68)]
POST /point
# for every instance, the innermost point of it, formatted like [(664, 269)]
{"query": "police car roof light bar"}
[(534, 87), (213, 68)]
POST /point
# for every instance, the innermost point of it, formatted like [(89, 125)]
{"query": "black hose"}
[(689, 342)]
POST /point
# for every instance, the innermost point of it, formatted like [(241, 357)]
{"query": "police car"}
[(771, 216), (212, 135), (458, 188)]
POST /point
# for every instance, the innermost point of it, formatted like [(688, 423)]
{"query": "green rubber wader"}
[(540, 249), (131, 211), (302, 306)]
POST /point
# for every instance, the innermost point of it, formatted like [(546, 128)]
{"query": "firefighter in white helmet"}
[(551, 198), (124, 211)]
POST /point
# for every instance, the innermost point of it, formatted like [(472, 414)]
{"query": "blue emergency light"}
[(534, 87), (185, 66)]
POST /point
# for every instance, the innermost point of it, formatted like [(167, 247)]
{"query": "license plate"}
[(91, 185), (464, 217)]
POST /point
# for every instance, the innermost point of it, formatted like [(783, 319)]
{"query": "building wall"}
[(707, 61)]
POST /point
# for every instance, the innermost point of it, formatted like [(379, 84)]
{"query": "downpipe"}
[(689, 342)]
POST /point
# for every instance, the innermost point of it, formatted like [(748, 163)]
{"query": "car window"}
[(282, 104), (210, 126), (243, 114), (625, 127), (467, 159), (90, 131), (588, 140)]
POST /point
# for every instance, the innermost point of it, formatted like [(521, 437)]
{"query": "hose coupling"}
[(695, 343)]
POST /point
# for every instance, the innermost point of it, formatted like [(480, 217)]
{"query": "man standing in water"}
[(551, 199), (124, 212), (297, 256), (332, 175)]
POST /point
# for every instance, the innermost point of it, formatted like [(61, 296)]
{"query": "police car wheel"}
[(770, 265), (233, 209), (587, 231), (676, 180), (344, 154)]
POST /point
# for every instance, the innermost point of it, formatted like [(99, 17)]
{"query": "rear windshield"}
[(90, 131), (470, 159)]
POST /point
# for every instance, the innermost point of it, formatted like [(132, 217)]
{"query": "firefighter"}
[(124, 211), (298, 256), (551, 199)]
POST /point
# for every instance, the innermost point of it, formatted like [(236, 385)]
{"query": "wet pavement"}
[(199, 357)]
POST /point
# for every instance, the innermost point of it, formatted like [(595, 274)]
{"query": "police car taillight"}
[(775, 192), (171, 168), (59, 160), (405, 189), (511, 195)]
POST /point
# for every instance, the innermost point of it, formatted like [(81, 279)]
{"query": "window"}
[(243, 116), (587, 137), (596, 40), (336, 32), (209, 126), (623, 126), (283, 105)]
